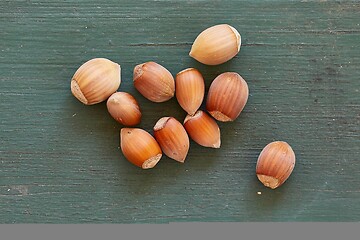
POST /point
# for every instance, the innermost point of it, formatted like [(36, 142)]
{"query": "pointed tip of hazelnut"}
[(268, 181), (178, 159), (151, 162), (76, 91), (182, 157), (191, 113), (191, 52), (181, 160), (217, 144)]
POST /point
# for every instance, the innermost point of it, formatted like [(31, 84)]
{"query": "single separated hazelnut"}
[(275, 164), (216, 45)]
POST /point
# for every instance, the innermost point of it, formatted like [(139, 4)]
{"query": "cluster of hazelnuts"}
[(98, 80)]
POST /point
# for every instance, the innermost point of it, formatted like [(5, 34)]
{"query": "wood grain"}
[(60, 160)]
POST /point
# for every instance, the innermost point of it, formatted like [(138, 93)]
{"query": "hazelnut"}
[(189, 89), (216, 45), (139, 147), (154, 81), (203, 129), (172, 138), (227, 96), (96, 80), (275, 164), (124, 108)]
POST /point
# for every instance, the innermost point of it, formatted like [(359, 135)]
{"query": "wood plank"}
[(60, 161)]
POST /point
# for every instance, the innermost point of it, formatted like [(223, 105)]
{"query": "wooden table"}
[(60, 160)]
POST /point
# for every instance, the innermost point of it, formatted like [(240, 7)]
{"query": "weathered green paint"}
[(60, 161)]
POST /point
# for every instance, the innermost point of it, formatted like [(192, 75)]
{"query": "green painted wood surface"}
[(60, 161)]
